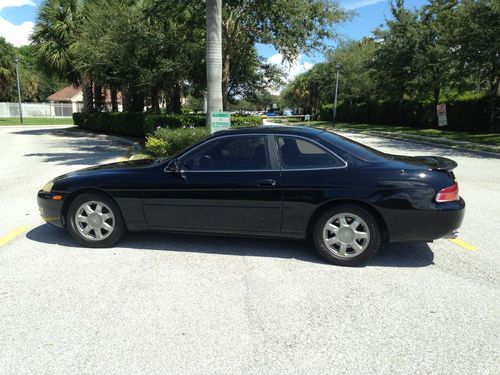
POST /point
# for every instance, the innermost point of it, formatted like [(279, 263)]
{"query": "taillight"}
[(449, 194)]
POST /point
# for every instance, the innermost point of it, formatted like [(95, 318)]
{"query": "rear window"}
[(346, 148), (298, 153)]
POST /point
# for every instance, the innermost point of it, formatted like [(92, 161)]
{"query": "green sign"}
[(220, 121)]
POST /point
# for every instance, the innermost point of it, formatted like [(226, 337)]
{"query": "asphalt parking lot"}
[(203, 304)]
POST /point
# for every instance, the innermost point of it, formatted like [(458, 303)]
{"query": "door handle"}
[(268, 182)]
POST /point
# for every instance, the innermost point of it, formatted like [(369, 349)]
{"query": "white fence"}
[(40, 109)]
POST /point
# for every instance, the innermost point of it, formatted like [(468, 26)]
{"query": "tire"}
[(86, 230), (350, 246)]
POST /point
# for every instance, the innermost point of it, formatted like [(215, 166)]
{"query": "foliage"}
[(446, 51), (462, 114), (168, 142), (175, 121), (138, 124), (238, 121), (55, 34), (7, 72)]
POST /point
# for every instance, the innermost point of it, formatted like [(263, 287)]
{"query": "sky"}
[(17, 18)]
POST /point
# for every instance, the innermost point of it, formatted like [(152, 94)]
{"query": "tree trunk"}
[(98, 99), (88, 105), (214, 57), (114, 99), (136, 102), (437, 93), (126, 99), (155, 100), (174, 104)]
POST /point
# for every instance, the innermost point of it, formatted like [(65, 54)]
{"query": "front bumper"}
[(50, 209)]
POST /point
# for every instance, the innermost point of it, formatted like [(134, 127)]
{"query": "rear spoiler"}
[(438, 163)]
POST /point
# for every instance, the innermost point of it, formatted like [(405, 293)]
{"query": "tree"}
[(433, 58), (357, 84), (251, 74), (475, 43), (293, 27), (7, 69), (214, 57), (111, 48), (394, 60), (54, 37)]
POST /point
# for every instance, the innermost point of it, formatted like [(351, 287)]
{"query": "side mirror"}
[(174, 166)]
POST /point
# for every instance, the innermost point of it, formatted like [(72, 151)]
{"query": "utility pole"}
[(336, 92), (19, 91)]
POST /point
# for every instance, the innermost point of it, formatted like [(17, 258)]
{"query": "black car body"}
[(281, 194)]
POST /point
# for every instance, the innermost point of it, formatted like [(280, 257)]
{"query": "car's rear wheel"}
[(94, 220), (346, 235)]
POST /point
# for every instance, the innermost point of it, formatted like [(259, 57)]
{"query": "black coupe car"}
[(276, 181)]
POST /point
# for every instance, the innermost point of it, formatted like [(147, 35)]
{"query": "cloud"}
[(15, 3), (291, 70), (18, 35), (360, 4)]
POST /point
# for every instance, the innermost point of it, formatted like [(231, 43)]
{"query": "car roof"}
[(270, 129)]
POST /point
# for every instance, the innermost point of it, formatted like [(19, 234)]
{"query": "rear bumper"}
[(424, 225), (50, 210)]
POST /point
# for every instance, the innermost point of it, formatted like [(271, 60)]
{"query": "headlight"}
[(48, 186)]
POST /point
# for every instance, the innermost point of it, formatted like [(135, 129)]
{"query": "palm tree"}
[(214, 57), (53, 40)]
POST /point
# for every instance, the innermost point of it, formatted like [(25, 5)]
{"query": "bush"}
[(174, 120), (239, 121), (168, 142)]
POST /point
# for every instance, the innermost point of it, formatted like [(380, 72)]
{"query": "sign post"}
[(441, 113), (220, 121)]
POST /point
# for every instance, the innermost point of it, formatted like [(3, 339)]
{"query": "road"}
[(160, 303)]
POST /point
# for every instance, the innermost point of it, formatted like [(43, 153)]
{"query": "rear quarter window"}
[(351, 151)]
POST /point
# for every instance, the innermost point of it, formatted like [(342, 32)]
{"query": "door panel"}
[(205, 198), (235, 203)]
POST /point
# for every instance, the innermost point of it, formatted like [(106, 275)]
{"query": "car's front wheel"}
[(94, 220), (346, 235)]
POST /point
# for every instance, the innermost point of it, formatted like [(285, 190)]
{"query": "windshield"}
[(346, 148)]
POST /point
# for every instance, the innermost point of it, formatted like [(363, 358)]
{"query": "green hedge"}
[(167, 142), (130, 124), (465, 115), (141, 124)]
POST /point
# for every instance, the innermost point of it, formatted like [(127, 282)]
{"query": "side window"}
[(298, 153), (229, 153)]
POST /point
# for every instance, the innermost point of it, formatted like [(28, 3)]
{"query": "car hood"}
[(119, 167), (437, 163)]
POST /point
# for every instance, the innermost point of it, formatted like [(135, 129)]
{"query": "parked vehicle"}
[(276, 181)]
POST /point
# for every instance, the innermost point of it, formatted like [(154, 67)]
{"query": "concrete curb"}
[(134, 148)]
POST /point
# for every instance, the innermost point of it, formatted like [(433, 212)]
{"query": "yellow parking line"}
[(12, 235), (465, 245)]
